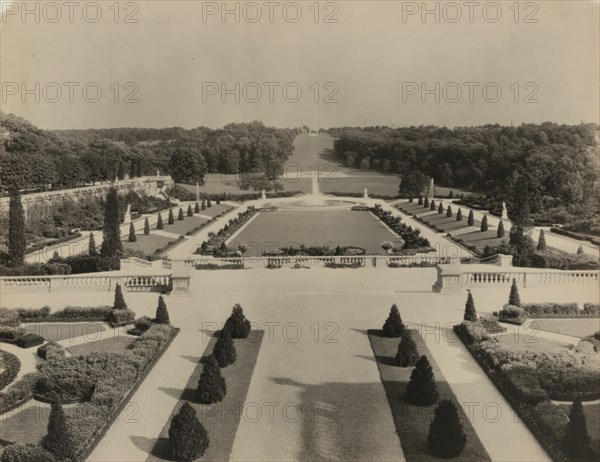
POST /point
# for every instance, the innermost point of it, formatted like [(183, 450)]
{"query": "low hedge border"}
[(127, 397), (12, 366), (576, 236), (63, 320), (522, 410)]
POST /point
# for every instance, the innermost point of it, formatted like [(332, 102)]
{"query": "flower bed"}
[(412, 238), (335, 265), (215, 266), (215, 241)]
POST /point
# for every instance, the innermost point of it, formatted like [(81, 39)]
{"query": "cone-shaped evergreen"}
[(203, 207), (237, 324), (171, 217), (111, 232), (470, 313), (218, 200), (208, 202), (459, 215), (159, 222), (407, 355), (146, 226), (541, 246), (393, 325), (197, 208), (132, 236), (471, 218), (190, 212), (162, 314), (224, 350), (514, 298), (432, 205), (577, 440), (58, 439), (441, 208), (410, 199), (422, 390), (420, 201), (500, 232), (484, 223), (119, 303), (16, 229), (211, 386), (223, 247), (92, 252), (188, 438), (446, 437), (449, 212), (426, 203), (180, 216), (580, 250)]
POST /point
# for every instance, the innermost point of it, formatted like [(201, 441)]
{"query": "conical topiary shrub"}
[(203, 207), (577, 440), (132, 236), (459, 216), (426, 203), (180, 215), (441, 208), (500, 231), (159, 223), (541, 246), (432, 205), (449, 212), (446, 437), (92, 251), (224, 350), (171, 217), (514, 298), (146, 226), (218, 201), (393, 325), (190, 212), (484, 223), (237, 324), (197, 208), (119, 302), (422, 390), (420, 201), (162, 314), (58, 439), (208, 202), (407, 355), (188, 438), (211, 385), (470, 313), (471, 218)]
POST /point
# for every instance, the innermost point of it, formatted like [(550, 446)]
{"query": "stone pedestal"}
[(181, 281), (505, 261), (448, 279)]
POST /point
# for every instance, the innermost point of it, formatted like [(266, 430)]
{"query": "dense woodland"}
[(31, 158), (559, 162)]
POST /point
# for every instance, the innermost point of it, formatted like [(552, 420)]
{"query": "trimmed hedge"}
[(564, 262), (51, 350), (29, 340), (121, 317), (579, 237), (12, 366)]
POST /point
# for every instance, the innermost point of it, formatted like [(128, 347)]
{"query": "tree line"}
[(35, 159)]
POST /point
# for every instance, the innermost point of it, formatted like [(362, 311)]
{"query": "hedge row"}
[(579, 237), (11, 365), (53, 242)]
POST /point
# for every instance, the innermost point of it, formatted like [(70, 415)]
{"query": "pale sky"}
[(374, 60)]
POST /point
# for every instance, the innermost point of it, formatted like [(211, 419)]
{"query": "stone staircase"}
[(468, 229)]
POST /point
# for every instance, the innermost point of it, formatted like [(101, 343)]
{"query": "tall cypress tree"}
[(119, 302), (459, 216), (432, 205), (197, 208), (500, 232), (449, 212), (171, 217), (422, 389), (146, 227), (180, 215), (111, 232), (471, 218), (470, 313), (162, 314), (92, 252), (159, 222), (190, 212), (541, 245), (16, 229), (577, 439), (132, 236), (441, 208), (484, 223), (426, 203)]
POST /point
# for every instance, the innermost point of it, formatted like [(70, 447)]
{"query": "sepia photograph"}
[(297, 231)]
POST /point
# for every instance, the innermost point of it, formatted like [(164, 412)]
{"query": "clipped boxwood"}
[(29, 340), (51, 350), (12, 366), (121, 317)]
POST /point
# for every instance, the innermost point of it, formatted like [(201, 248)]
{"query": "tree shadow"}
[(192, 359), (386, 360), (188, 394), (157, 449)]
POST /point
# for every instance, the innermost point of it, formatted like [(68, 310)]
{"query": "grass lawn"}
[(592, 419), (25, 425), (518, 339), (147, 244), (117, 344), (180, 227), (274, 230), (56, 331), (412, 422), (221, 420), (446, 224), (215, 209), (574, 327)]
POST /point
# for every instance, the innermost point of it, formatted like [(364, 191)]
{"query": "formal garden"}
[(84, 377), (552, 384)]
